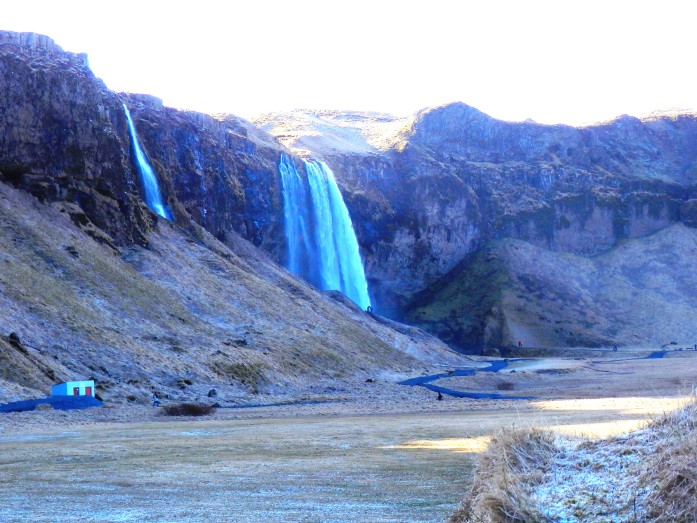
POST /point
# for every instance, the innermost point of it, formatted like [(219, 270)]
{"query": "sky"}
[(561, 61)]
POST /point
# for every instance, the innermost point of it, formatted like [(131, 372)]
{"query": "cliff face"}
[(222, 170), (64, 138), (640, 293), (429, 194), (94, 284)]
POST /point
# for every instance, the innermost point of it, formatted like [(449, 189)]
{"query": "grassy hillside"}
[(179, 316)]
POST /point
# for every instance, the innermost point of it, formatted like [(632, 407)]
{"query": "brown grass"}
[(250, 374), (672, 476), (167, 311), (505, 476), (505, 385), (187, 409), (665, 487)]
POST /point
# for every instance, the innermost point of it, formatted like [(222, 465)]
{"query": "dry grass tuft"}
[(530, 476), (187, 409), (505, 476), (505, 385), (672, 477)]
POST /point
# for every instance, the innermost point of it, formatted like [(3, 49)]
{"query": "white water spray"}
[(322, 245)]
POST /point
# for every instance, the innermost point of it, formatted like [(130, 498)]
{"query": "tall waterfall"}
[(322, 245), (153, 198)]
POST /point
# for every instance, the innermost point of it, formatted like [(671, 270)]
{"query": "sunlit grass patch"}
[(601, 429), (635, 405), (464, 445)]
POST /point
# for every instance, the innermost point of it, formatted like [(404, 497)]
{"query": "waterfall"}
[(153, 198), (322, 245), (296, 218)]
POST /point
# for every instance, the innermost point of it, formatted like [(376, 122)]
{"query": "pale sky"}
[(559, 61)]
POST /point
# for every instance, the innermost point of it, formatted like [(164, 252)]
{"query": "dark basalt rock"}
[(221, 170), (688, 213), (453, 180), (13, 338), (64, 139)]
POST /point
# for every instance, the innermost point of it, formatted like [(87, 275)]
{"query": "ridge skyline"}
[(573, 63)]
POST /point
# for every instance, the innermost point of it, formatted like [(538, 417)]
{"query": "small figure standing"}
[(614, 348), (155, 400), (440, 396), (520, 343)]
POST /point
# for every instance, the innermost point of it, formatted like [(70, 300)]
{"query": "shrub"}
[(505, 385), (505, 476), (671, 476), (188, 409)]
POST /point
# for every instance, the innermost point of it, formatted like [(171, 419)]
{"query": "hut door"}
[(76, 391), (88, 391)]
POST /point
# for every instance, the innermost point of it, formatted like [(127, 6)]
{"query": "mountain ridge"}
[(426, 193), (455, 179)]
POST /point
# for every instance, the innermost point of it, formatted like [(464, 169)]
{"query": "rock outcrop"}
[(428, 195), (221, 169), (64, 139)]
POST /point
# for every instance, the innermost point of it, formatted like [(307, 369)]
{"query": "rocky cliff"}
[(94, 284), (64, 138), (431, 195), (436, 198), (222, 170)]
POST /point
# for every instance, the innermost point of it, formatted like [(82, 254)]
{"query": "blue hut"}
[(74, 388)]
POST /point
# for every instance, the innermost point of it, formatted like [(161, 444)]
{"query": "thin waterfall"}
[(153, 198), (322, 245)]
